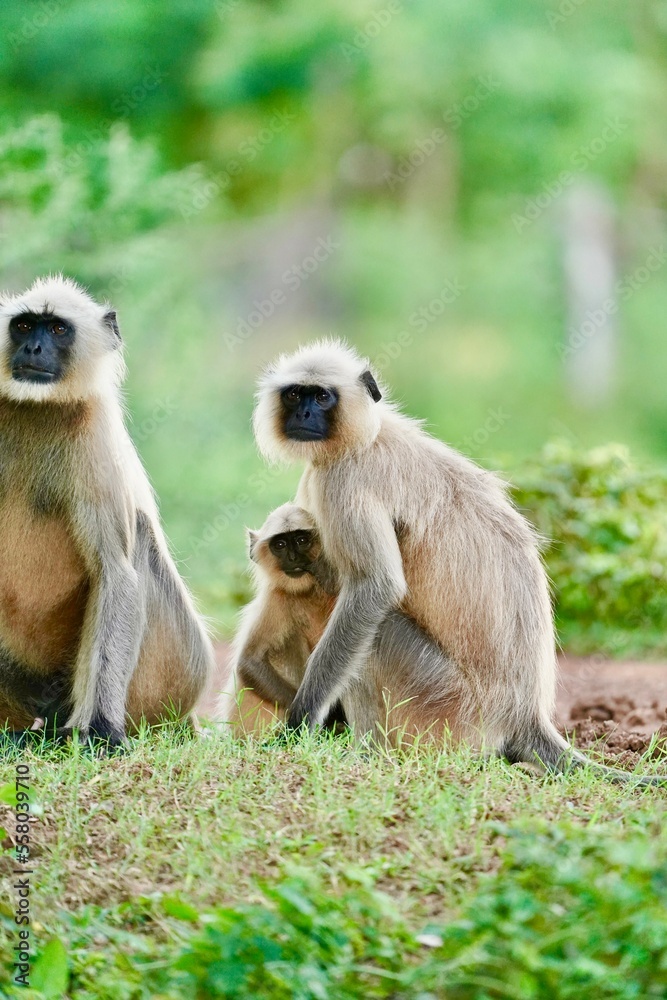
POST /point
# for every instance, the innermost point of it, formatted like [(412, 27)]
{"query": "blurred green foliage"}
[(303, 944), (64, 203), (387, 73), (605, 521), (571, 913)]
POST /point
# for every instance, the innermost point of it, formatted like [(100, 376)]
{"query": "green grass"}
[(215, 868)]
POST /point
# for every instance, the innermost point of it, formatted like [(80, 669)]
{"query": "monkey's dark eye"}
[(58, 328), (279, 543), (302, 540), (293, 395), (323, 396), (23, 327)]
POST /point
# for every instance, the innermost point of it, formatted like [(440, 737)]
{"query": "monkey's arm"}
[(263, 636), (113, 624), (365, 549), (256, 672)]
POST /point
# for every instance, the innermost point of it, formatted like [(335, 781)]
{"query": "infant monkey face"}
[(294, 551)]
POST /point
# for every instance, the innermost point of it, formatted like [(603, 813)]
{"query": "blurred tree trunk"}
[(590, 274)]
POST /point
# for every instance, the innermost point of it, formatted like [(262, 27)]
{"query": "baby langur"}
[(97, 629), (295, 594), (408, 523)]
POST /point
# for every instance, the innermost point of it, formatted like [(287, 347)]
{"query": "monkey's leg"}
[(26, 694), (108, 653), (409, 687), (13, 718), (248, 715), (176, 656), (256, 673)]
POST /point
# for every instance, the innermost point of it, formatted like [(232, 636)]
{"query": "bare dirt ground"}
[(614, 705)]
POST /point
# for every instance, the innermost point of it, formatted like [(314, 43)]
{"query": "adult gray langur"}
[(409, 523), (97, 629)]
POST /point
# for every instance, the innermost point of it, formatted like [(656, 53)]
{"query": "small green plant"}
[(604, 518), (302, 944)]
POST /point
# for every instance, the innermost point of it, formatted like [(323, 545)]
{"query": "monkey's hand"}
[(299, 720)]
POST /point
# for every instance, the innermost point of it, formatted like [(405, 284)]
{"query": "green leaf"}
[(8, 796), (50, 974), (175, 907), (8, 793)]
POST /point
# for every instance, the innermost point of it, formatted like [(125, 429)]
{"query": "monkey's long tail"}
[(541, 744)]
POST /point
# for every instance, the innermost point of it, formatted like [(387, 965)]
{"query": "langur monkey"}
[(97, 629), (409, 523), (295, 595)]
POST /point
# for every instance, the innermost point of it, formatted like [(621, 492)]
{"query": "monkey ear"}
[(372, 386), (110, 321), (253, 538)]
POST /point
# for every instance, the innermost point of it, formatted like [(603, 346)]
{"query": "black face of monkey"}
[(41, 347), (292, 551), (309, 411)]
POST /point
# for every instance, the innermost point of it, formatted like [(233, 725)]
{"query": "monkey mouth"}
[(27, 373), (305, 434), (295, 572)]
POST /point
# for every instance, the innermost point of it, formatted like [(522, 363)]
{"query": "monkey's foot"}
[(104, 737), (101, 737)]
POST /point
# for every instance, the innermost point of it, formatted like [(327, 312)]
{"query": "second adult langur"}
[(409, 523)]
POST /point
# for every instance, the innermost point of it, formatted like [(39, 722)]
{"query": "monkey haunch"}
[(409, 523), (96, 625)]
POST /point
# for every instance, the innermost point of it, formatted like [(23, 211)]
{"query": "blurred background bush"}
[(474, 194)]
